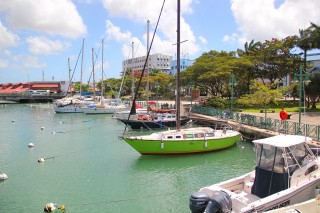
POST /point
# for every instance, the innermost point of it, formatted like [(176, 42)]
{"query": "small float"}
[(30, 145), (3, 176)]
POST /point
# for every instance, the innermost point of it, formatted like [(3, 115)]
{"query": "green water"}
[(94, 171)]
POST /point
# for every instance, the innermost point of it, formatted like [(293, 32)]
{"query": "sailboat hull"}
[(180, 146)]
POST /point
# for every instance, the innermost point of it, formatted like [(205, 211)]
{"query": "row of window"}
[(181, 67), (185, 136), (130, 61)]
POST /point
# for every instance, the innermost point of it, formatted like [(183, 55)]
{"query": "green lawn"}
[(288, 105)]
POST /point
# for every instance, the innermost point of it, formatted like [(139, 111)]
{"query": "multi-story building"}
[(156, 61), (184, 63)]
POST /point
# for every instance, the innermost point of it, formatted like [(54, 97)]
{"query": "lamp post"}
[(190, 91), (303, 80), (232, 83), (157, 88)]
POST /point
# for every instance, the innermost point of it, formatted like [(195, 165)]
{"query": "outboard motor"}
[(198, 202), (219, 202)]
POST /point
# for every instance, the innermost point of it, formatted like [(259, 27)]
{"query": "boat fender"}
[(205, 144), (162, 145)]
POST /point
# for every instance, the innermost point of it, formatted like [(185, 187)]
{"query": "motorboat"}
[(286, 172)]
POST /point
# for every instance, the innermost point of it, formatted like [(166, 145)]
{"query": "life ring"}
[(283, 115)]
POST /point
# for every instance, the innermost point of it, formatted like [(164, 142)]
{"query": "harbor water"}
[(88, 169)]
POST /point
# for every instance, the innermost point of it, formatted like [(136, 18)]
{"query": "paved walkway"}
[(311, 118)]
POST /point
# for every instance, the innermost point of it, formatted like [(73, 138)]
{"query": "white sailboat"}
[(286, 172), (105, 106), (73, 104)]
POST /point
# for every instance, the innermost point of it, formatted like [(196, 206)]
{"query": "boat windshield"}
[(269, 157), (278, 159)]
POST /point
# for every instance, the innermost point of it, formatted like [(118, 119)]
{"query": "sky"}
[(38, 36)]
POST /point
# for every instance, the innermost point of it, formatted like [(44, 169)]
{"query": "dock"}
[(10, 98), (253, 132)]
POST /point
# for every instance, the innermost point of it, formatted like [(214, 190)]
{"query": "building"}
[(184, 63), (49, 86), (156, 61)]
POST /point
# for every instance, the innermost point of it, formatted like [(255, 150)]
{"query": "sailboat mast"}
[(69, 87), (94, 83), (178, 68), (147, 88), (81, 68), (132, 71), (102, 84)]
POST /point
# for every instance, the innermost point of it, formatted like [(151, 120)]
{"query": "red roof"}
[(45, 85)]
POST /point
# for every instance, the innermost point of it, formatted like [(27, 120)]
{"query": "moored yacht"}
[(286, 172)]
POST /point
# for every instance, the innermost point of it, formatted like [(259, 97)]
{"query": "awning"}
[(44, 85)]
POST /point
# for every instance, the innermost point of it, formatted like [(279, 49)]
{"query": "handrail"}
[(277, 125)]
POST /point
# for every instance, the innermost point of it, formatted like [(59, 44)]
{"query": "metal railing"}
[(277, 125)]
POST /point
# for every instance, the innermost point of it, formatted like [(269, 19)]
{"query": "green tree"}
[(312, 90), (212, 70), (261, 96), (273, 60)]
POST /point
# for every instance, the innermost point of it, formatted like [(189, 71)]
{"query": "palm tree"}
[(315, 35), (305, 43), (248, 48)]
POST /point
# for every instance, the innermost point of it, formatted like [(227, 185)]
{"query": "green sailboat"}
[(182, 140)]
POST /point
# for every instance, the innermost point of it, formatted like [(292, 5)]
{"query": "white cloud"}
[(7, 38), (44, 46), (50, 16), (140, 11), (33, 62), (114, 32), (3, 63), (203, 40), (261, 20)]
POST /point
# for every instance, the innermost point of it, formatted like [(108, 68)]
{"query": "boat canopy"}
[(282, 141)]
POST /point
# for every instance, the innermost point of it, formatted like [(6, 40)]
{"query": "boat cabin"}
[(279, 160)]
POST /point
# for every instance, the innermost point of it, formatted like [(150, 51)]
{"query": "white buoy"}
[(50, 207), (13, 121), (30, 145), (41, 160), (42, 128), (3, 176)]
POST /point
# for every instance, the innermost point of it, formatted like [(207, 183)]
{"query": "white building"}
[(156, 61)]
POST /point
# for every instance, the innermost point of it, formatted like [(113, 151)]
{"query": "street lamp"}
[(190, 91), (303, 80), (232, 83), (157, 88)]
